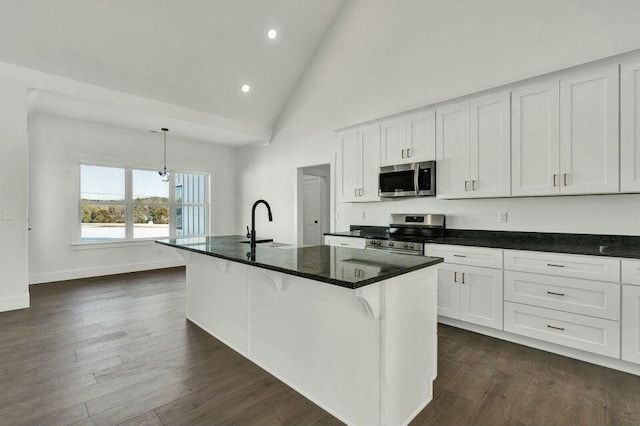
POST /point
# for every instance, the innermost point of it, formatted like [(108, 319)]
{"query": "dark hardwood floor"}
[(118, 350)]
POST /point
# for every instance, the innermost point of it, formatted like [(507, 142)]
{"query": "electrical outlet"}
[(502, 217), (363, 215)]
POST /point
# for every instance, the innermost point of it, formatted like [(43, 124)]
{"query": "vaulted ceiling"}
[(192, 53)]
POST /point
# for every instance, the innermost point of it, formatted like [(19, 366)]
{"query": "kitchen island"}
[(352, 330)]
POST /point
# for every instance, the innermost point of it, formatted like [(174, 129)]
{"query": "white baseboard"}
[(74, 274), (601, 360), (14, 302)]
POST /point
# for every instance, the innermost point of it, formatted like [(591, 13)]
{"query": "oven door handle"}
[(412, 253)]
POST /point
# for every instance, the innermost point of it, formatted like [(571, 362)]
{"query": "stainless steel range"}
[(407, 233)]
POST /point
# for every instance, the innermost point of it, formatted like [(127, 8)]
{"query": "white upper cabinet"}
[(630, 130), (393, 142), (369, 144), (358, 164), (491, 146), (474, 148), (589, 143), (453, 151), (536, 139), (565, 135), (408, 139), (348, 165)]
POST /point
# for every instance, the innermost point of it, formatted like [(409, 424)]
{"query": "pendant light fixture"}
[(164, 174)]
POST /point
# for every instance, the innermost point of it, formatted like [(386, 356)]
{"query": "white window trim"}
[(77, 159)]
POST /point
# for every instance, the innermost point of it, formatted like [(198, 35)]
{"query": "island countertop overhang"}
[(344, 267)]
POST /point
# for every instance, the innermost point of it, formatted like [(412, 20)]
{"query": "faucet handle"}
[(248, 232)]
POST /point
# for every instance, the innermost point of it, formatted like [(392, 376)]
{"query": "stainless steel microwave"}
[(408, 180)]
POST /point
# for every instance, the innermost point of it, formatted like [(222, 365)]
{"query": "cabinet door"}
[(589, 144), (369, 163), (448, 291), (535, 112), (631, 323), (421, 136), (452, 138), (393, 142), (630, 130), (481, 296), (491, 146), (348, 166)]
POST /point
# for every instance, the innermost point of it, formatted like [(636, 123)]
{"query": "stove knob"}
[(378, 242), (405, 245), (372, 242), (390, 243), (410, 245)]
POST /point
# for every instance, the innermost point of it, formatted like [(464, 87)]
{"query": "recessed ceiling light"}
[(271, 34), (245, 88)]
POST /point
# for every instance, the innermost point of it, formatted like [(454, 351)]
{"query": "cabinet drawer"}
[(353, 242), (462, 255), (594, 298), (589, 334), (631, 271), (563, 265)]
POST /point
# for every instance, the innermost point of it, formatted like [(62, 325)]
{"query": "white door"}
[(536, 139), (631, 323), (481, 296), (393, 142), (491, 146), (452, 151), (630, 130), (589, 144), (348, 163), (369, 163), (312, 210), (448, 291), (421, 136)]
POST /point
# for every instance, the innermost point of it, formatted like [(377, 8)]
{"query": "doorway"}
[(313, 204)]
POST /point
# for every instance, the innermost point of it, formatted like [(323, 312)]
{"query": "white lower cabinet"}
[(471, 294), (631, 323), (352, 242), (582, 332), (594, 298)]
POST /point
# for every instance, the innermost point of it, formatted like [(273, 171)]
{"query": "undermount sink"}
[(266, 240)]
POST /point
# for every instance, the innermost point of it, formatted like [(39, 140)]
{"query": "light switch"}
[(7, 215)]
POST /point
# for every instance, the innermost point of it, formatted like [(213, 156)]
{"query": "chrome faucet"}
[(253, 221)]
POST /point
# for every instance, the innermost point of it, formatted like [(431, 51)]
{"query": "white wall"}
[(383, 57), (53, 144), (15, 82)]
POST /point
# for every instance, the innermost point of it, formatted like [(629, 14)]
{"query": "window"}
[(121, 203)]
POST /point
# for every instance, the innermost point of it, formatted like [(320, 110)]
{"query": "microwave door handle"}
[(416, 179)]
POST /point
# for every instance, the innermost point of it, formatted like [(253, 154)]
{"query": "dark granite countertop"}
[(623, 246), (345, 267)]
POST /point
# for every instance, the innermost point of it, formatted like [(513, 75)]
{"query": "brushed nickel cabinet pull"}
[(555, 294), (466, 185), (459, 255), (555, 265), (555, 180), (360, 192), (463, 278), (473, 185), (403, 153), (355, 192), (455, 276), (564, 178), (344, 244), (555, 328), (408, 152)]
